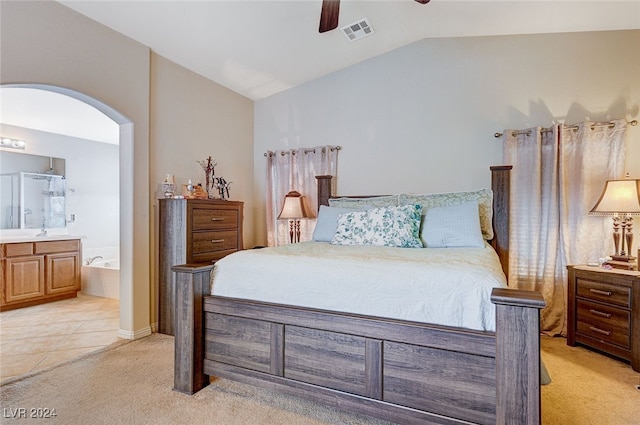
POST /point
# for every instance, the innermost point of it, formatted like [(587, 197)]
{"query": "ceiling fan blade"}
[(329, 15), (423, 1)]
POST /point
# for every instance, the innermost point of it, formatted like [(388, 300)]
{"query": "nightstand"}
[(603, 311)]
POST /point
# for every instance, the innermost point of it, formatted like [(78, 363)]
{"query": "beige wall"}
[(47, 43), (422, 118)]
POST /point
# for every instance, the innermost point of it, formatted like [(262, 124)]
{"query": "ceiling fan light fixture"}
[(357, 30)]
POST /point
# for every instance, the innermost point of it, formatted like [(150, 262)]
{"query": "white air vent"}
[(357, 30)]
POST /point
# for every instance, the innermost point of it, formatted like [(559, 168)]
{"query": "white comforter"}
[(449, 287)]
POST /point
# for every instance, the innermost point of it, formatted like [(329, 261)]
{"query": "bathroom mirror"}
[(32, 191)]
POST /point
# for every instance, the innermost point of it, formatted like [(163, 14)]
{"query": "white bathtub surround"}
[(106, 252), (101, 278)]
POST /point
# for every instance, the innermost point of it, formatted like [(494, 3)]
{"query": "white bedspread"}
[(441, 286)]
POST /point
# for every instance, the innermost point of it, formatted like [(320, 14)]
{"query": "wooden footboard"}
[(400, 371)]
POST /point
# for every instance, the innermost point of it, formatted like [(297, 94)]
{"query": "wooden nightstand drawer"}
[(603, 333), (210, 219), (606, 323), (215, 241), (604, 292)]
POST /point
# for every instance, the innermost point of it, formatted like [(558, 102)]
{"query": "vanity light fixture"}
[(6, 142)]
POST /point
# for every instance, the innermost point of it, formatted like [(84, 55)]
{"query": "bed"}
[(402, 369)]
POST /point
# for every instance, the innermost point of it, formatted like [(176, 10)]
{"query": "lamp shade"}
[(619, 197), (293, 206)]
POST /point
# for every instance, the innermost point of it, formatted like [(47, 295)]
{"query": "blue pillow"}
[(452, 226)]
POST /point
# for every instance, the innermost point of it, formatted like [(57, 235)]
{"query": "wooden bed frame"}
[(400, 371)]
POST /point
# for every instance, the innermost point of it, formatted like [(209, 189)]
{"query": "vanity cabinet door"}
[(63, 272), (24, 278)]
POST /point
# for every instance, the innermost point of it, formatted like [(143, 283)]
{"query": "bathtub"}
[(101, 278)]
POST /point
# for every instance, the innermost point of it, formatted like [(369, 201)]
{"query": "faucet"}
[(43, 231), (92, 259)]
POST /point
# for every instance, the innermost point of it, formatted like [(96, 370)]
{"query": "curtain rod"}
[(283, 153), (571, 127)]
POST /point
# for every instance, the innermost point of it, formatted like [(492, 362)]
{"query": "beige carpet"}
[(131, 384)]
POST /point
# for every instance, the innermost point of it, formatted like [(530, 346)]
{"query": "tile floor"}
[(38, 337)]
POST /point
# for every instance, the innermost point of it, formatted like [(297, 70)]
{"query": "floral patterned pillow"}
[(387, 226)]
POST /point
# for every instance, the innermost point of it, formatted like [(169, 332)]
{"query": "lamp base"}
[(628, 263), (626, 258)]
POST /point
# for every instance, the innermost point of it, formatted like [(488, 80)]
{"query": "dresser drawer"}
[(604, 292), (212, 219), (606, 323), (210, 257), (214, 241)]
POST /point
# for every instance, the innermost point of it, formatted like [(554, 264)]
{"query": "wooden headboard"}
[(500, 185)]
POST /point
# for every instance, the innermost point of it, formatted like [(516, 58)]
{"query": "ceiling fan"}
[(331, 11)]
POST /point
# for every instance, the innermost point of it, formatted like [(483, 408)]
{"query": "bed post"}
[(192, 283), (517, 356), (501, 186), (324, 190)]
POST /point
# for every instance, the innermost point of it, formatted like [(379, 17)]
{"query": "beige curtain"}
[(295, 169), (557, 177)]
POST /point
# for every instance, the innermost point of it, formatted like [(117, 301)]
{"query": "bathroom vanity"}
[(39, 270)]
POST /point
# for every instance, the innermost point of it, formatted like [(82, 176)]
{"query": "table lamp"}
[(620, 199), (293, 209)]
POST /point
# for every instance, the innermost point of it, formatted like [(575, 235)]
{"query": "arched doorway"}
[(126, 126)]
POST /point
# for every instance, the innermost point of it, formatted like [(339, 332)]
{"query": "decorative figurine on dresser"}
[(193, 229), (604, 311)]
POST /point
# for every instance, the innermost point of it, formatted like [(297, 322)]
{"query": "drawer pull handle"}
[(599, 313), (600, 292), (217, 240), (600, 331), (217, 218)]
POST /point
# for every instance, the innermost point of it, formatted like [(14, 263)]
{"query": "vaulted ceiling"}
[(261, 47)]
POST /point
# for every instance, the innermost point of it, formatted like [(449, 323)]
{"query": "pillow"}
[(386, 226), (327, 222), (361, 203), (484, 197), (452, 226)]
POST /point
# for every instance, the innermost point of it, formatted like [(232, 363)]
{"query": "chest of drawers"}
[(603, 311), (192, 231)]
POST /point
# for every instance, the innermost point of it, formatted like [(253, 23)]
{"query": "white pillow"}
[(386, 226), (327, 222), (452, 226), (362, 203)]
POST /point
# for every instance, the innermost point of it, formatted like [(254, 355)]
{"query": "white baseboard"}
[(140, 333)]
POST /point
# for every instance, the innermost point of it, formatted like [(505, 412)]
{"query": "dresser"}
[(603, 311), (192, 231)]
